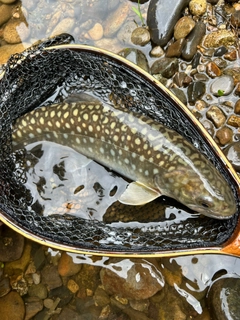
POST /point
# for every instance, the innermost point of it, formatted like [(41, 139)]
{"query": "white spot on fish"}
[(85, 116), (101, 150), (75, 112), (39, 130), (66, 114)]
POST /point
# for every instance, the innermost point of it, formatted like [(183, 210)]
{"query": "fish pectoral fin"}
[(138, 194)]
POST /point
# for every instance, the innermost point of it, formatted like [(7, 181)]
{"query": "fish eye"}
[(205, 203)]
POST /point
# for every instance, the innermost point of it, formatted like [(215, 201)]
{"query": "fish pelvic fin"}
[(138, 194)]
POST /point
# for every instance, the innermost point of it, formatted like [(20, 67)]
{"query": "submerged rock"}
[(223, 299), (232, 152), (162, 17), (136, 56)]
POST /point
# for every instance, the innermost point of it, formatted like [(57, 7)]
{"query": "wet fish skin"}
[(136, 147)]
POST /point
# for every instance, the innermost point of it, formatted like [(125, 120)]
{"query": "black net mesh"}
[(40, 76)]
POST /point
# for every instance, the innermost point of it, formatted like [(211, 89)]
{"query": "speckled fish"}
[(157, 159)]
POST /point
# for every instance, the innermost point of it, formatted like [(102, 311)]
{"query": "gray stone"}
[(50, 277), (162, 17), (180, 95), (193, 40), (223, 299), (224, 83), (195, 91), (167, 67)]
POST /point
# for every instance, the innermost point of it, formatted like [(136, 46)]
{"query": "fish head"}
[(205, 192)]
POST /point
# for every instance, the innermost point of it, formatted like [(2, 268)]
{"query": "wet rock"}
[(32, 305), (198, 7), (39, 258), (125, 33), (62, 293), (19, 266), (212, 70), (136, 56), (12, 307), (116, 19), (179, 94), (195, 91), (223, 83), (87, 280), (216, 115), (68, 313), (220, 63), (101, 297), (16, 31), (231, 56), (140, 36), (11, 244), (66, 266), (182, 79), (132, 278), (224, 135), (234, 121), (223, 299), (208, 126), (193, 40), (219, 38), (139, 305), (72, 286), (96, 32), (232, 152), (175, 49), (220, 51), (157, 52), (237, 107), (50, 277), (234, 73), (235, 18), (183, 27), (64, 26), (8, 1), (111, 44), (5, 287), (167, 67), (5, 13), (38, 290), (162, 17)]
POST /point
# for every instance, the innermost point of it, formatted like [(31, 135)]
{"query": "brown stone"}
[(234, 121), (224, 135), (237, 90), (212, 70), (216, 115), (115, 20), (16, 31), (175, 49), (231, 56), (183, 27), (219, 38), (12, 307), (66, 266), (237, 107), (5, 13)]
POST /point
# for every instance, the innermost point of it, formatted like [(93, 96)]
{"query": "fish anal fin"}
[(138, 194)]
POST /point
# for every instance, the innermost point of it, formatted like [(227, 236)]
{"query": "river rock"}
[(198, 7), (220, 51), (96, 32), (15, 31), (64, 26), (33, 305), (234, 121), (183, 27), (140, 36), (8, 1), (237, 107), (195, 91), (116, 19), (216, 115), (223, 299), (157, 52), (5, 13), (50, 277), (5, 287), (134, 279), (213, 70), (125, 33), (66, 266), (12, 307), (175, 49), (224, 83), (162, 17), (232, 152), (136, 56), (38, 290), (224, 135), (167, 67), (11, 244), (219, 38), (193, 40)]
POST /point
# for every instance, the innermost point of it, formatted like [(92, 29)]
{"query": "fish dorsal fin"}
[(138, 194)]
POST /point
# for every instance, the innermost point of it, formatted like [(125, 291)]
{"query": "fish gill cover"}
[(39, 76)]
